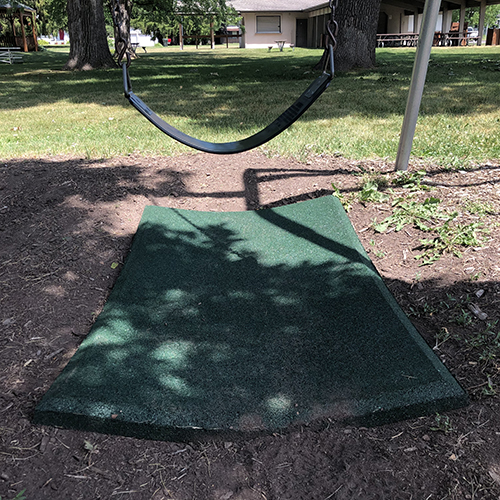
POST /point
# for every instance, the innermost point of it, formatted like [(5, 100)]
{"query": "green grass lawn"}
[(223, 95)]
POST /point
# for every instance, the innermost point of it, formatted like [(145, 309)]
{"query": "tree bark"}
[(88, 42), (357, 36)]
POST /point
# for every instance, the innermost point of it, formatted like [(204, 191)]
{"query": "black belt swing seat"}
[(272, 130), (281, 123)]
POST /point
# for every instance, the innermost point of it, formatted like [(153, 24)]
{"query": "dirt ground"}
[(66, 225)]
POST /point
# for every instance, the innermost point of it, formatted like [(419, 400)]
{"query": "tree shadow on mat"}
[(216, 323)]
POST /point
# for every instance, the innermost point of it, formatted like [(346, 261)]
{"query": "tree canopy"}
[(162, 17), (157, 18), (472, 16)]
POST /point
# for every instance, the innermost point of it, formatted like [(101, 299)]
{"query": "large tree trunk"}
[(88, 42), (357, 36)]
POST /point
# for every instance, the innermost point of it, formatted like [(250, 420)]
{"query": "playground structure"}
[(232, 34), (236, 323), (425, 43)]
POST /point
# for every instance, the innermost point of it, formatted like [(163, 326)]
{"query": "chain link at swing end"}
[(332, 30), (124, 59)]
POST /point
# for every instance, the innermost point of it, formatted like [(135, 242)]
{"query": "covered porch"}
[(21, 26), (404, 18)]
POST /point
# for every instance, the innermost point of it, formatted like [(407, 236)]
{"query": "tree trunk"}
[(357, 36), (88, 42)]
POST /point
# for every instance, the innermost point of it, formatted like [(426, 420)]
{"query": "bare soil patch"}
[(66, 225)]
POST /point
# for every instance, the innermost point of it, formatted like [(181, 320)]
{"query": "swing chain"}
[(332, 31), (332, 26), (123, 51)]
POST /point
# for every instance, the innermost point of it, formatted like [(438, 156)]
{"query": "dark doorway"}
[(383, 20), (301, 30)]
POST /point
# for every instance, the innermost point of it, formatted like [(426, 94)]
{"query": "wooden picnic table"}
[(197, 38), (453, 38), (137, 44), (9, 55)]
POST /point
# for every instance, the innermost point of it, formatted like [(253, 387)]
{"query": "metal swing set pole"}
[(424, 46)]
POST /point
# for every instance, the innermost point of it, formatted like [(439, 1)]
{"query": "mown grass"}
[(224, 95)]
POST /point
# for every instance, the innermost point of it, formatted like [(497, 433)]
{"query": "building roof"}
[(305, 5), (276, 5)]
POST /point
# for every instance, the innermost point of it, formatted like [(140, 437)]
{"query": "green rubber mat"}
[(247, 322)]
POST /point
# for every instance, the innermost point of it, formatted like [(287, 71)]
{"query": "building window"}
[(268, 24)]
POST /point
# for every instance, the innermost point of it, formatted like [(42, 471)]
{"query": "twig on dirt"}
[(477, 386), (208, 463), (47, 482), (65, 445), (84, 469), (283, 465), (55, 353), (155, 492), (183, 473), (22, 459), (179, 451), (7, 408), (39, 278), (484, 423), (397, 435), (19, 448), (336, 491)]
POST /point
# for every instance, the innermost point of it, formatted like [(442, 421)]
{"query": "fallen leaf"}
[(88, 445)]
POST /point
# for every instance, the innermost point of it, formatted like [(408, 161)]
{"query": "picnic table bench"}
[(397, 40), (9, 55)]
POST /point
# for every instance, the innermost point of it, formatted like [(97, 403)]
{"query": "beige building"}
[(301, 22)]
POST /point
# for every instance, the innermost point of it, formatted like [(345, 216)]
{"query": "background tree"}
[(357, 38), (120, 14), (357, 35), (160, 18), (87, 32), (52, 16), (472, 16), (153, 17)]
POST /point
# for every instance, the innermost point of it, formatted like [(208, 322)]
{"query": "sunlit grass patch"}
[(225, 95)]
